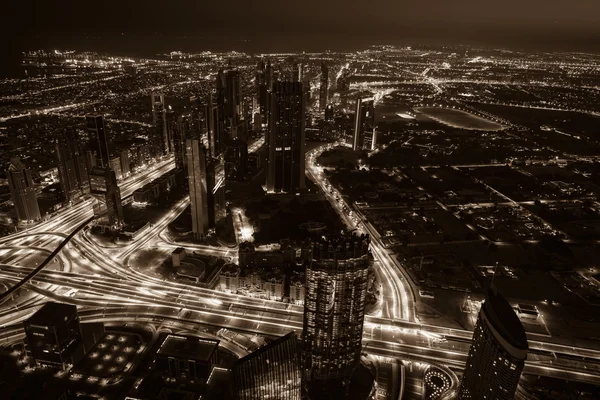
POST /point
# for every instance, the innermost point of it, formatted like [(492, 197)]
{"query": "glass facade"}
[(270, 373), (336, 286), (497, 354)]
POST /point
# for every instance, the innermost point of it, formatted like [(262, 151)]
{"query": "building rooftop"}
[(504, 319), (51, 313), (188, 347)]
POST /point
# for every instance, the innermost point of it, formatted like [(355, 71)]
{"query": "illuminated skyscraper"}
[(324, 87), (271, 372), (22, 191), (160, 141), (497, 354), (334, 309), (364, 125), (182, 129), (97, 134), (72, 170), (229, 101), (196, 161), (286, 138), (212, 125)]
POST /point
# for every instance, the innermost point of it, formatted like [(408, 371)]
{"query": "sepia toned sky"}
[(566, 22)]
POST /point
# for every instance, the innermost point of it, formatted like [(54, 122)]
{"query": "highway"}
[(106, 288)]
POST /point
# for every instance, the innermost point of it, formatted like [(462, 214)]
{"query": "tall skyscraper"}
[(229, 101), (215, 190), (212, 125), (97, 135), (53, 335), (196, 160), (324, 87), (72, 170), (286, 138), (497, 354), (236, 161), (22, 191), (160, 141), (182, 128), (271, 372), (114, 207), (364, 125), (334, 309)]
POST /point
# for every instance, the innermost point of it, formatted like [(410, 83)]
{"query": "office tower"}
[(324, 87), (196, 160), (22, 191), (53, 335), (125, 163), (182, 128), (97, 135), (160, 140), (285, 169), (269, 75), (114, 207), (212, 125), (364, 125), (497, 354), (236, 161), (72, 170), (271, 372), (215, 190), (297, 72), (229, 101), (336, 288)]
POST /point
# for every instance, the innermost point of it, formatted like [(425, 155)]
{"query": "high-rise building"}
[(182, 128), (271, 372), (53, 335), (72, 170), (334, 309), (215, 190), (286, 138), (229, 101), (196, 161), (364, 125), (212, 125), (497, 354), (125, 163), (236, 160), (160, 140), (22, 191), (114, 207), (324, 87), (97, 134)]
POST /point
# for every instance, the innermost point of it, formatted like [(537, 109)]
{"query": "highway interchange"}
[(101, 282)]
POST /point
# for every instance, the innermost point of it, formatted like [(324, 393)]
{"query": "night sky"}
[(276, 25)]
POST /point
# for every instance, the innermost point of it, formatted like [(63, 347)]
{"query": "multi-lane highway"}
[(105, 288)]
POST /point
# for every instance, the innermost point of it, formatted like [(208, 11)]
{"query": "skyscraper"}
[(229, 101), (497, 354), (22, 191), (212, 124), (336, 288), (324, 87), (215, 190), (182, 128), (160, 141), (271, 372), (236, 160), (72, 170), (286, 138), (364, 125), (196, 161), (114, 207), (97, 135)]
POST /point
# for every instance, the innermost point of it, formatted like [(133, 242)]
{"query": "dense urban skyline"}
[(269, 213)]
